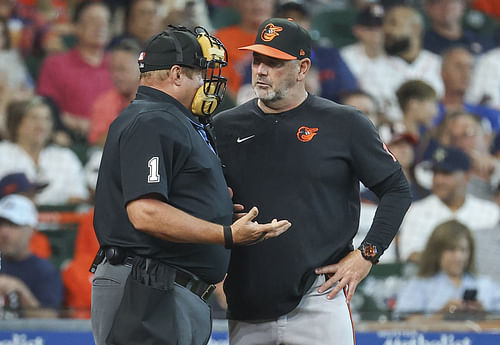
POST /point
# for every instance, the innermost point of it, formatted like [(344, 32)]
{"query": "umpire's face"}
[(273, 78), (191, 81)]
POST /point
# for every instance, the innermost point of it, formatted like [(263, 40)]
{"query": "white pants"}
[(315, 321)]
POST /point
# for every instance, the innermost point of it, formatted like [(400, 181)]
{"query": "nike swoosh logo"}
[(240, 140)]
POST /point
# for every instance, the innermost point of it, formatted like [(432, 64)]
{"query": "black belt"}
[(194, 284), (118, 256)]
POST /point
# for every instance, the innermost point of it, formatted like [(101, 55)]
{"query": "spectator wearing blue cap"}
[(448, 200), (18, 183)]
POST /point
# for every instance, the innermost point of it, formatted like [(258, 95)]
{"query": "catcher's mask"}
[(179, 46), (211, 93)]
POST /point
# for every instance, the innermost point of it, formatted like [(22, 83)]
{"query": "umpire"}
[(163, 208)]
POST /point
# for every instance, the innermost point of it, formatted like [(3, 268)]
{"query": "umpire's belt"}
[(118, 256), (194, 284)]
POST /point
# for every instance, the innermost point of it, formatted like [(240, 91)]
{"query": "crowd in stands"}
[(426, 73)]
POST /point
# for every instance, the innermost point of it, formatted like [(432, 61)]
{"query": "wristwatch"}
[(370, 252)]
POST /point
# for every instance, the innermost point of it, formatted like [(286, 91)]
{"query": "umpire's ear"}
[(175, 75), (304, 67)]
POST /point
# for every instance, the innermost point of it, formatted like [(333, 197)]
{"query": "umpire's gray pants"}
[(107, 291)]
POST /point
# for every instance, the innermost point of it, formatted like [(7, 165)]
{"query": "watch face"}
[(370, 251)]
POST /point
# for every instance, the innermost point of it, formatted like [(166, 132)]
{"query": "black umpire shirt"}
[(303, 165), (155, 146)]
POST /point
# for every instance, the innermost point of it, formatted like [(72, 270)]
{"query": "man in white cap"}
[(28, 283)]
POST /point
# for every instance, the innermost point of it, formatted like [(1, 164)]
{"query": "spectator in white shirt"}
[(449, 200), (484, 87), (367, 59), (403, 26), (11, 63), (28, 150)]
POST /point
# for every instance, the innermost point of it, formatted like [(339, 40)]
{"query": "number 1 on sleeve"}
[(154, 176)]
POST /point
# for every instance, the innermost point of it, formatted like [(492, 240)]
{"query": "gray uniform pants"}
[(187, 320), (107, 291), (315, 321)]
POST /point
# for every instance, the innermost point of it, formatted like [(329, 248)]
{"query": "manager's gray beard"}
[(271, 96)]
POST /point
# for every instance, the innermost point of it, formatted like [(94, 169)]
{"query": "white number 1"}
[(154, 176)]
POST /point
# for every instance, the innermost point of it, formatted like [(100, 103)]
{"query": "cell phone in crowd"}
[(470, 295)]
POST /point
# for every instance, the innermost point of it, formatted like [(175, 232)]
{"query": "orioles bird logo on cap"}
[(306, 134), (270, 32)]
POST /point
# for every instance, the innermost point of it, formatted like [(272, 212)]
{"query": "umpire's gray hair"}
[(158, 75), (163, 74)]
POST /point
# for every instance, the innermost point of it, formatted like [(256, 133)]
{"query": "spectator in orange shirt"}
[(490, 7), (252, 14), (77, 279), (125, 76)]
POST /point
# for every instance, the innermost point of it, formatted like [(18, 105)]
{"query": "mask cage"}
[(214, 84)]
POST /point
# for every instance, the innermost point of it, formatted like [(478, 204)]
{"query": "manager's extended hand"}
[(246, 232)]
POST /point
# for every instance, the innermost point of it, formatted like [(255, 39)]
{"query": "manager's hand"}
[(237, 208), (246, 232), (349, 271)]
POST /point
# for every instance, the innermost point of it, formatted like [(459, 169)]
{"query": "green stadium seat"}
[(336, 26)]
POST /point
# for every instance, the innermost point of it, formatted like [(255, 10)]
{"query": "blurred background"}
[(425, 72)]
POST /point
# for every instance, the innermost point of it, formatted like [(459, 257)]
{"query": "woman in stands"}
[(446, 285), (28, 149)]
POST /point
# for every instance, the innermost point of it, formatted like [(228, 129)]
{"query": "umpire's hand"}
[(348, 272), (247, 232)]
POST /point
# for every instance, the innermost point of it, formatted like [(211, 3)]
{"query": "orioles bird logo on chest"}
[(270, 32), (306, 134)]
